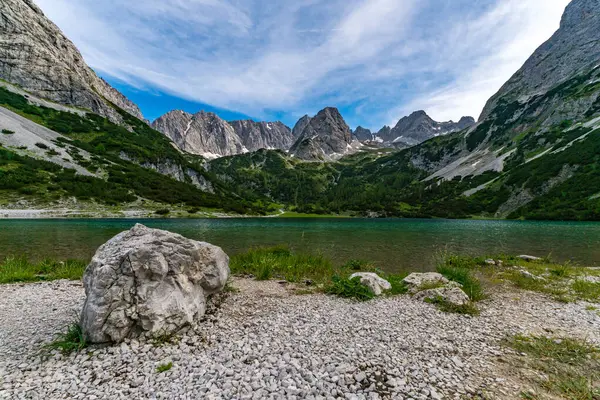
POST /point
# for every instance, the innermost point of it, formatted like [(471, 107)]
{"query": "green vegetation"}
[(281, 263), (70, 341), (562, 281), (349, 288), (571, 368), (119, 153), (164, 367), (458, 269), (19, 269)]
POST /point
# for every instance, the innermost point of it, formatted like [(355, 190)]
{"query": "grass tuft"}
[(460, 270), (349, 288), (586, 290), (164, 367), (19, 269), (70, 341)]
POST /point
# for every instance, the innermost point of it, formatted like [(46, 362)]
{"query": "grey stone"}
[(373, 281), (416, 280), (148, 282), (37, 56)]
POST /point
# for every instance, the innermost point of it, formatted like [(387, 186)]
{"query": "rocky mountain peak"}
[(362, 134), (263, 135), (418, 127), (325, 137), (300, 125), (36, 55)]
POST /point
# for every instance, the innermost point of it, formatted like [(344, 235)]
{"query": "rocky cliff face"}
[(203, 133), (419, 127), (263, 135), (325, 137), (362, 134), (35, 55), (300, 125), (574, 49)]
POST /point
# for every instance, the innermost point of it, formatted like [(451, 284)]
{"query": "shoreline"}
[(269, 340)]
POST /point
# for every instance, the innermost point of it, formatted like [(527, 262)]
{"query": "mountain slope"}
[(35, 55)]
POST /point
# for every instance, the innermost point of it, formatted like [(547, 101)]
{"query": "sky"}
[(375, 60)]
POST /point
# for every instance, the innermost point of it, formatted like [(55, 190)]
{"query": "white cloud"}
[(377, 59)]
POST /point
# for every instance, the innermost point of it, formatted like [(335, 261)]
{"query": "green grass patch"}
[(349, 288), (19, 269), (70, 341), (281, 263), (460, 270), (571, 367), (589, 291), (164, 367)]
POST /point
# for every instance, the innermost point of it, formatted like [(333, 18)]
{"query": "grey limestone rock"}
[(36, 55), (147, 282)]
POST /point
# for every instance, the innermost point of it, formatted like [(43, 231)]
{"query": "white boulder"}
[(147, 282), (418, 280), (373, 281)]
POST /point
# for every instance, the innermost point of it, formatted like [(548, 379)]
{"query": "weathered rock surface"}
[(147, 282), (419, 127), (326, 137), (300, 125), (573, 49), (373, 281), (417, 280), (362, 134), (35, 55), (203, 133), (451, 294), (263, 135)]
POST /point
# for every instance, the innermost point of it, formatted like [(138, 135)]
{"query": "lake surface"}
[(393, 244)]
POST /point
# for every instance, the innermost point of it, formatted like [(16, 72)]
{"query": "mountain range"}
[(533, 153)]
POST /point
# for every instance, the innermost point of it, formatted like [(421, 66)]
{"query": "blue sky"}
[(376, 60)]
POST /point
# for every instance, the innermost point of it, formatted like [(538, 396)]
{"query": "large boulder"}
[(148, 282), (418, 280), (373, 281)]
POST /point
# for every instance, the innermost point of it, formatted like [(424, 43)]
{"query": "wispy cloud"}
[(375, 59)]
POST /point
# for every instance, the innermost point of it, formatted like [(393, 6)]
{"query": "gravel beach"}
[(265, 341)]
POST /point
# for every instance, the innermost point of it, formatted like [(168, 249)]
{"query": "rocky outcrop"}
[(203, 133), (300, 125), (374, 282), (417, 280), (450, 294), (419, 127), (148, 282), (263, 135), (326, 137), (574, 49), (362, 134), (35, 55)]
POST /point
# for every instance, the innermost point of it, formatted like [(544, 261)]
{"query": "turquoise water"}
[(393, 244)]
